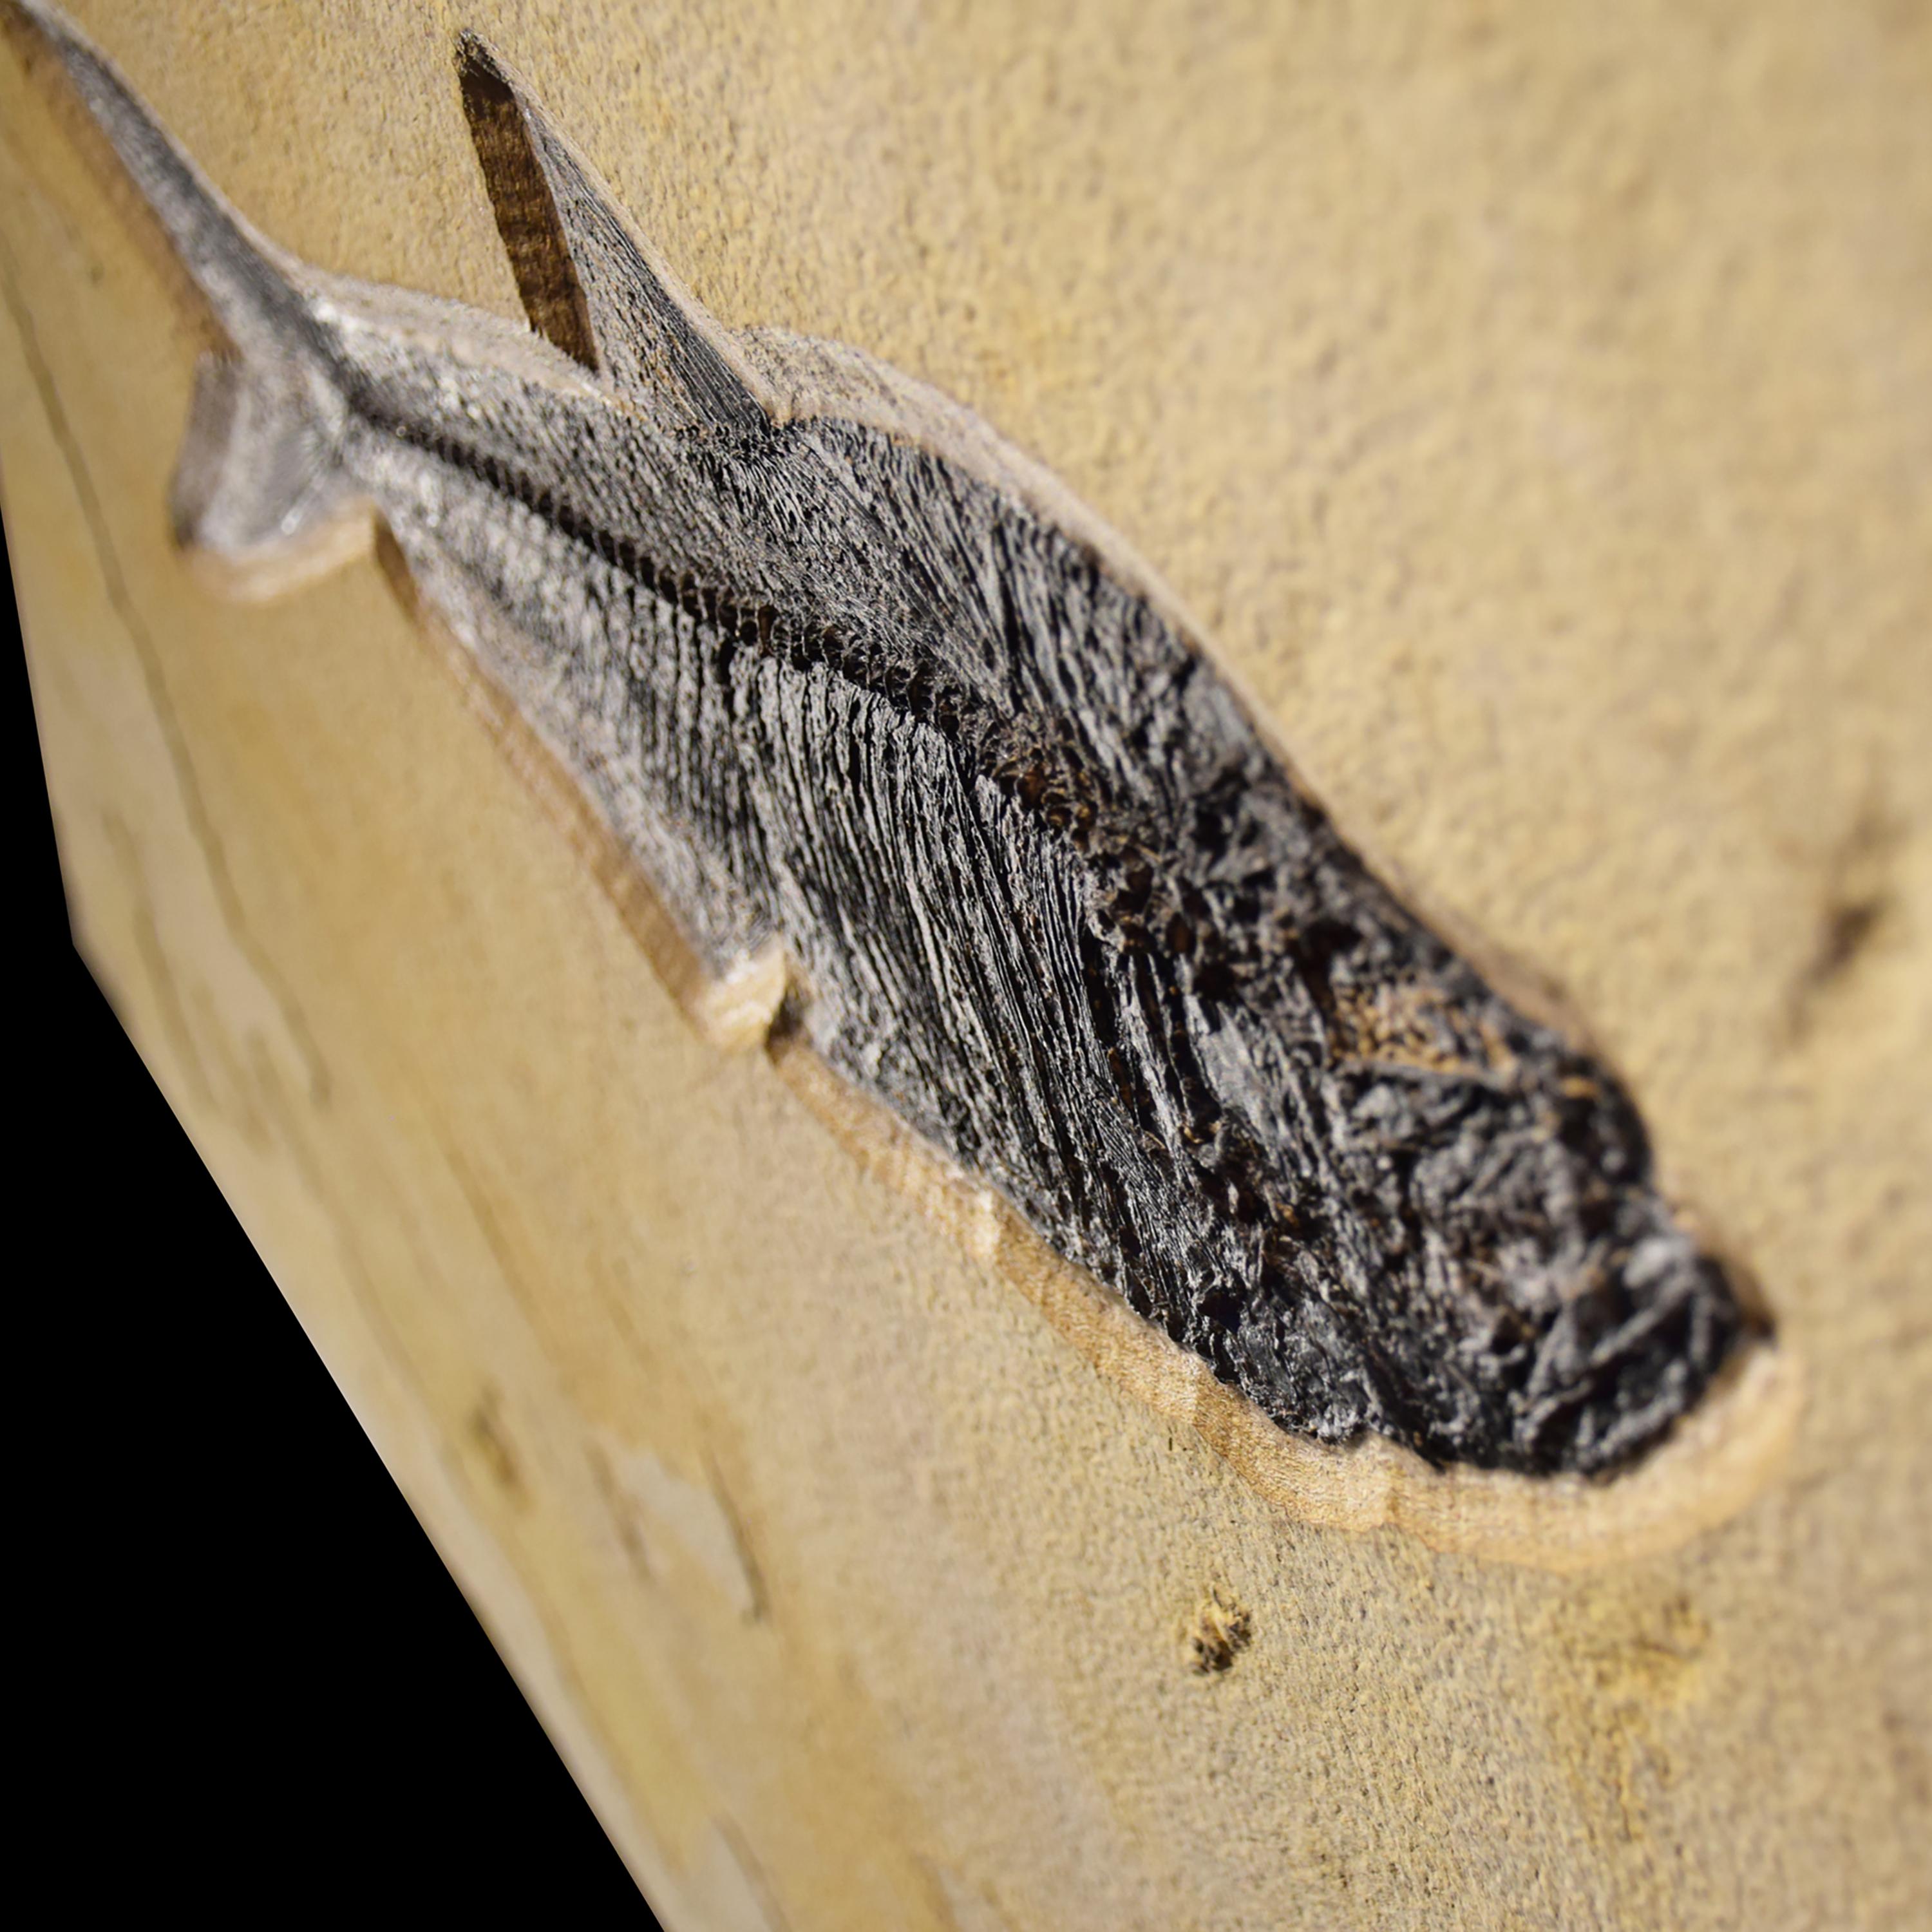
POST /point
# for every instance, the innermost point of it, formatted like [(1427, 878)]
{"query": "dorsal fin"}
[(589, 282)]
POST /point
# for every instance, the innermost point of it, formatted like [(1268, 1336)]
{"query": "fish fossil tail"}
[(260, 493), (260, 502)]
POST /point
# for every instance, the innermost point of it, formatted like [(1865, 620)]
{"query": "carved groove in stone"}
[(902, 737)]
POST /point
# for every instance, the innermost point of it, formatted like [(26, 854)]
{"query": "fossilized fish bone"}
[(894, 730)]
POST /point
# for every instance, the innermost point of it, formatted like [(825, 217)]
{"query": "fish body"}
[(858, 691)]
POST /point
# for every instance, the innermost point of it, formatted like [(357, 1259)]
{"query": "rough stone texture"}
[(1530, 404)]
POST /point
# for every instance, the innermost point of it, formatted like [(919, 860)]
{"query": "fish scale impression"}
[(849, 682)]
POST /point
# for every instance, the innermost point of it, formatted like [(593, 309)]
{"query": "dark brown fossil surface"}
[(842, 685)]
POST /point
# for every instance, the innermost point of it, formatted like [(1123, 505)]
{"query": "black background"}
[(256, 1682)]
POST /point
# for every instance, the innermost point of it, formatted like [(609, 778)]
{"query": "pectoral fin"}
[(589, 282)]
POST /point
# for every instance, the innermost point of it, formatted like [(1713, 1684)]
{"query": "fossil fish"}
[(898, 734)]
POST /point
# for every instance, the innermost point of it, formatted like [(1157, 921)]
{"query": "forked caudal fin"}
[(259, 492), (259, 489)]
